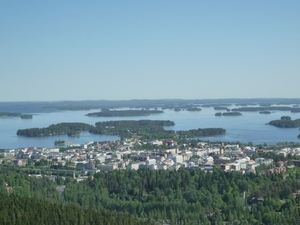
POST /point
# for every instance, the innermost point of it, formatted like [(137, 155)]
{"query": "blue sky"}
[(114, 50)]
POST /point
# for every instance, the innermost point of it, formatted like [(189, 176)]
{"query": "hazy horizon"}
[(74, 50)]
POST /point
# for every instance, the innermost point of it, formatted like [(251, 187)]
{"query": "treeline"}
[(192, 196), (24, 210), (55, 129), (148, 129), (124, 113), (201, 132), (178, 197)]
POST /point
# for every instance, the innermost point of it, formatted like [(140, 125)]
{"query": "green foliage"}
[(201, 132), (23, 210), (193, 197), (55, 129), (59, 142), (147, 129), (182, 197)]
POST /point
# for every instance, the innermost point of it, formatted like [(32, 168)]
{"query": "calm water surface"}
[(249, 127)]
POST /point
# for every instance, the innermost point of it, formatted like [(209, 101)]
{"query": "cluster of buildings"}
[(107, 156)]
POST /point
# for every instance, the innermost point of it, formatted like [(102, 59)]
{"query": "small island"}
[(264, 112), (124, 113), (10, 114), (201, 132), (26, 116), (229, 114), (59, 142), (194, 109), (285, 122), (15, 114), (232, 114)]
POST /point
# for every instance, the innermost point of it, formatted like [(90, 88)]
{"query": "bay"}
[(251, 127)]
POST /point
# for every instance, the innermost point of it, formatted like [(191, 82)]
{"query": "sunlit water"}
[(251, 127)]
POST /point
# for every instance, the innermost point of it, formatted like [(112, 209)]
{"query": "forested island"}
[(194, 109), (26, 116), (229, 114), (71, 129), (285, 122), (59, 142), (145, 129), (124, 113), (201, 132), (264, 112), (15, 114), (12, 114), (148, 129), (232, 114), (268, 108)]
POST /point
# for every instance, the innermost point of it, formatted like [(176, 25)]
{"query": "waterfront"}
[(251, 127)]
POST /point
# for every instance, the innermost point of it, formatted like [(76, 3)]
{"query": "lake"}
[(247, 128)]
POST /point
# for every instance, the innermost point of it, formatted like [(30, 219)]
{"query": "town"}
[(92, 157)]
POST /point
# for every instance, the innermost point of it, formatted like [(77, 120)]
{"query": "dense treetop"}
[(201, 132), (55, 129)]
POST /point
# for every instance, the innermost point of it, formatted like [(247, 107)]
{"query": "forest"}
[(178, 197), (55, 129), (15, 209)]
